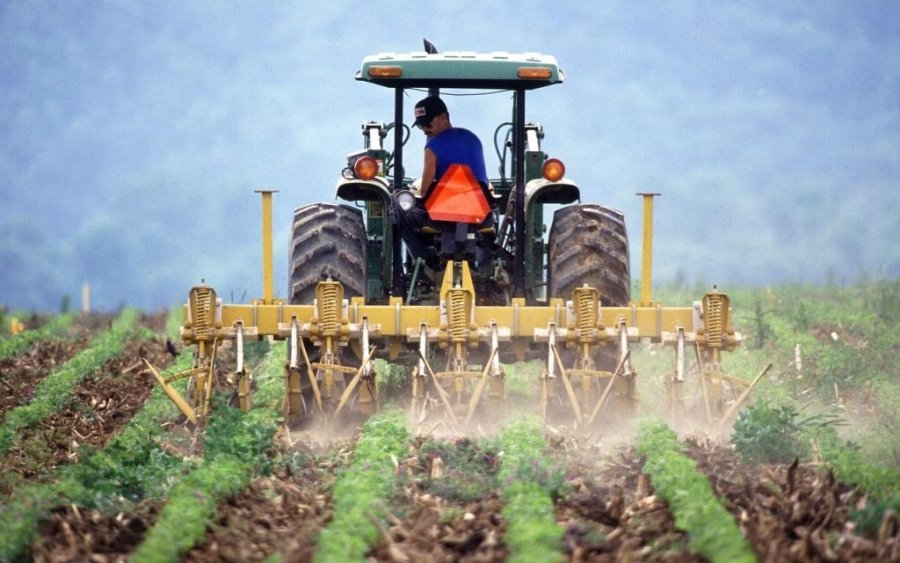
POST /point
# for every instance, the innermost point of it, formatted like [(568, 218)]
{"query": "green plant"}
[(712, 531), (18, 343), (880, 482), (191, 505), (529, 480), (392, 378), (361, 491), (470, 468), (132, 467), (58, 387), (235, 447), (766, 434)]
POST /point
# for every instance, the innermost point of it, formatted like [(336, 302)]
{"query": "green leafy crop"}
[(58, 387), (20, 342), (712, 531), (530, 481), (363, 489)]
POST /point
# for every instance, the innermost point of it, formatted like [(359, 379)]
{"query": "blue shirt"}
[(458, 146)]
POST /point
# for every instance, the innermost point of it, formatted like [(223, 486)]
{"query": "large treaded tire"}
[(589, 245), (327, 240)]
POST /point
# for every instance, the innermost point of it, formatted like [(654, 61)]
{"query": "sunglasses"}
[(426, 126)]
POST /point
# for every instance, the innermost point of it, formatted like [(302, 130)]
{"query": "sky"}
[(133, 134)]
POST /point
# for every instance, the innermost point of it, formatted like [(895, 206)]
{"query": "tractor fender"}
[(354, 189), (542, 191)]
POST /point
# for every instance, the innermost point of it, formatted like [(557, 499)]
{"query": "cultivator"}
[(331, 344)]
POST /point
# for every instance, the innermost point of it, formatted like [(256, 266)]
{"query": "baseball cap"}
[(429, 108)]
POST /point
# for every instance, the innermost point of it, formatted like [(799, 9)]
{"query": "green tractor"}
[(360, 244)]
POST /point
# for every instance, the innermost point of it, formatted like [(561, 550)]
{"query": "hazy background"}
[(133, 133)]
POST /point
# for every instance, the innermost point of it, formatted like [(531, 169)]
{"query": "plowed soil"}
[(445, 510), (795, 512)]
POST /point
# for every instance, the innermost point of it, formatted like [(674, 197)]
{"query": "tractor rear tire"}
[(589, 245), (328, 240)]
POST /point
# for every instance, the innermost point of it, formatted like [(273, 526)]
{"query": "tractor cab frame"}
[(521, 195)]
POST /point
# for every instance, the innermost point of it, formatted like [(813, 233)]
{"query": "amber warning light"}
[(385, 71), (553, 170), (366, 168), (534, 72)]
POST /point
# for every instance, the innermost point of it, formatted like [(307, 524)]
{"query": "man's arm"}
[(429, 169)]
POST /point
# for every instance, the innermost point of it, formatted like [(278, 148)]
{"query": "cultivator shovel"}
[(457, 336), (587, 387), (204, 331), (324, 378), (718, 391)]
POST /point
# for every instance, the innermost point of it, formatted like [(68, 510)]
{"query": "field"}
[(98, 465)]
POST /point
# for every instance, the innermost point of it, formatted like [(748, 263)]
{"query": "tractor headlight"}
[(406, 200)]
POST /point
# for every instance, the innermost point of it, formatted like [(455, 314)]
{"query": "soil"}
[(796, 512), (21, 374), (443, 511)]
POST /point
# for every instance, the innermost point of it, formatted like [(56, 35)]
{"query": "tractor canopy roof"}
[(461, 69)]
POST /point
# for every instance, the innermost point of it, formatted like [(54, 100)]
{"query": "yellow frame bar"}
[(398, 320)]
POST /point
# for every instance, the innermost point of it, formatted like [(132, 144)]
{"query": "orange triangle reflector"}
[(458, 197)]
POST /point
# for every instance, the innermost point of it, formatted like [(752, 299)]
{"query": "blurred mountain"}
[(132, 134)]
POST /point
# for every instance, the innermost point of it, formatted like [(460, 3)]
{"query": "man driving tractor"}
[(446, 146)]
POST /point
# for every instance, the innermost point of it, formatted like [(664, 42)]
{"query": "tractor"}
[(361, 243), (491, 284)]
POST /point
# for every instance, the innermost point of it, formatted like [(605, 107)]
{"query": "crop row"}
[(695, 507), (133, 466), (881, 483), (361, 492), (235, 446), (18, 343), (57, 388), (530, 482)]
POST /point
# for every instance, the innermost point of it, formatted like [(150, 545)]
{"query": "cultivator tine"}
[(479, 388), (418, 377), (367, 398), (445, 399), (609, 386), (704, 385), (313, 382), (570, 392), (293, 400), (353, 382), (737, 403), (679, 355), (173, 395), (242, 377), (495, 346), (624, 352)]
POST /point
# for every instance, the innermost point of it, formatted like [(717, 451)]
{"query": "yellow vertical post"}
[(647, 250), (268, 284)]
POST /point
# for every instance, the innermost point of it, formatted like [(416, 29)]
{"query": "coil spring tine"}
[(458, 324)]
